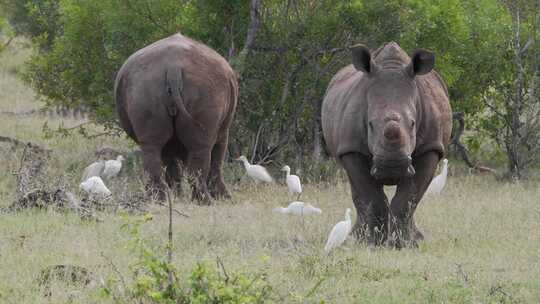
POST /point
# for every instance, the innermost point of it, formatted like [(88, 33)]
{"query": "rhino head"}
[(393, 110)]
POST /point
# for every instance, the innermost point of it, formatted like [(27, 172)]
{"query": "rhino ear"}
[(361, 58), (422, 62)]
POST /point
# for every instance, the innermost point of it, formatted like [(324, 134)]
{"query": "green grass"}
[(482, 242)]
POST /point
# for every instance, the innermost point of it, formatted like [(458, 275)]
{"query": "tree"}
[(514, 103), (285, 53)]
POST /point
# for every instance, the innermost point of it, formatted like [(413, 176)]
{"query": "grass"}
[(482, 244)]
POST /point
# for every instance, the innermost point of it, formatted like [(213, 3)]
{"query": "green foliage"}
[(299, 46), (37, 19), (155, 280)]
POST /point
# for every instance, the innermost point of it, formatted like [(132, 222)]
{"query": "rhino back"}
[(207, 79)]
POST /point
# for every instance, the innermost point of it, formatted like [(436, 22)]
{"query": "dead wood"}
[(57, 199), (460, 148)]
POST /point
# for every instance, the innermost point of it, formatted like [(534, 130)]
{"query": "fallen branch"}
[(460, 148), (16, 142), (58, 199), (175, 210), (455, 141)]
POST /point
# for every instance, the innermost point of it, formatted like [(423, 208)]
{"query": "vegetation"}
[(480, 247), (287, 51)]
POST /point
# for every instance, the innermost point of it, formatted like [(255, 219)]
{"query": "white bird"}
[(94, 186), (256, 172), (438, 182), (298, 208), (112, 167), (94, 169), (293, 182), (339, 233)]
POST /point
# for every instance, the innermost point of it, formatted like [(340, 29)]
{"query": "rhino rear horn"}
[(361, 58), (422, 62)]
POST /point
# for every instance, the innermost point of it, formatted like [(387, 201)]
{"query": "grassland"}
[(482, 242)]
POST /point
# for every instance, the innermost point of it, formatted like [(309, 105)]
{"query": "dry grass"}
[(482, 242)]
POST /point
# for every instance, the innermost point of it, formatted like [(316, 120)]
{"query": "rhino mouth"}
[(392, 169)]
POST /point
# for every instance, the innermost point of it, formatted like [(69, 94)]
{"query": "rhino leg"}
[(198, 165), (408, 195), (152, 166), (173, 154), (215, 178), (173, 174), (369, 199)]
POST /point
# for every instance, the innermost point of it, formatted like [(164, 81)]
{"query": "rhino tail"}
[(174, 85)]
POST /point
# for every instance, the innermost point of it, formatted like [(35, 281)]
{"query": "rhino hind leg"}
[(198, 166), (408, 195), (216, 183), (173, 155), (173, 175), (152, 166), (369, 199)]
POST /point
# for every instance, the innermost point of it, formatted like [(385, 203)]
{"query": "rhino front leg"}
[(408, 195), (369, 199)]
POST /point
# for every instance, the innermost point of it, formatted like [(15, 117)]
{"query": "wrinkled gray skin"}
[(176, 98), (387, 119)]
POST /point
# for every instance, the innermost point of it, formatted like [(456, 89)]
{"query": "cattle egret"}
[(339, 233), (112, 167), (94, 186), (293, 182), (256, 172), (438, 182), (94, 169), (298, 208)]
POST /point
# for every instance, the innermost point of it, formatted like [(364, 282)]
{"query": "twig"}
[(261, 127), (175, 210), (115, 269), (170, 242), (220, 264), (499, 289)]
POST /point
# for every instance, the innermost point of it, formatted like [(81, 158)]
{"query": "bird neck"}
[(246, 163), (444, 170)]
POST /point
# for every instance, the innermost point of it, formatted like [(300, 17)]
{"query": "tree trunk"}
[(317, 142)]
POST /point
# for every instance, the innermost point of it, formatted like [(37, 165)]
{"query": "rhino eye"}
[(371, 126), (413, 123)]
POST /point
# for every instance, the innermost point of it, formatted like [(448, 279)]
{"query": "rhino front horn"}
[(410, 171)]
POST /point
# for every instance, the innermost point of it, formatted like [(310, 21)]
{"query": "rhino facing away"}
[(176, 98), (387, 119)]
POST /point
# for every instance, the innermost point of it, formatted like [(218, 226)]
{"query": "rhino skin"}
[(176, 98), (387, 119)]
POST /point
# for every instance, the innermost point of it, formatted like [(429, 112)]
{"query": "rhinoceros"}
[(387, 119), (176, 98)]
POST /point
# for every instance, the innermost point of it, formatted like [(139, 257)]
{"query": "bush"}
[(155, 280)]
